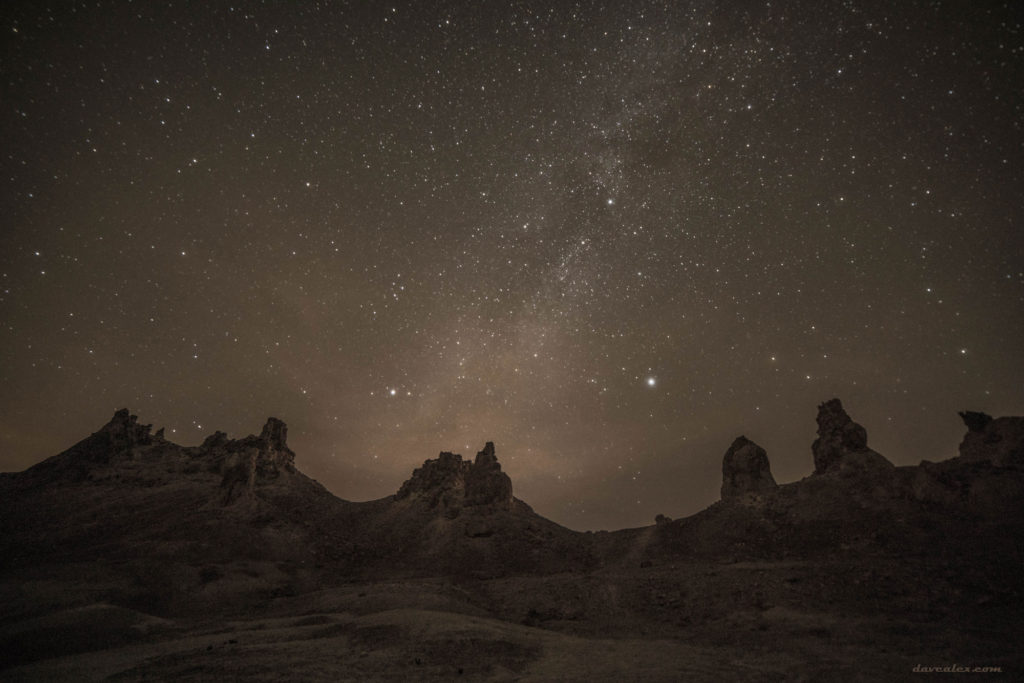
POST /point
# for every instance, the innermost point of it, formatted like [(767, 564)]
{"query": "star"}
[(496, 227)]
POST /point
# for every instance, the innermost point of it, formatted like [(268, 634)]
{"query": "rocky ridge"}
[(855, 498), (129, 525), (453, 511), (126, 450), (450, 483), (989, 448), (245, 498)]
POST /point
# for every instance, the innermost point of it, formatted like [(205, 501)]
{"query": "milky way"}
[(607, 237)]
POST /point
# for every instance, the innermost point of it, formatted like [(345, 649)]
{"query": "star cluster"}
[(609, 237)]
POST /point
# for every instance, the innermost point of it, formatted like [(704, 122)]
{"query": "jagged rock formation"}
[(162, 512), (439, 482), (998, 441), (975, 421), (274, 436), (125, 450), (486, 484), (116, 439), (460, 517), (745, 470), (246, 461), (243, 500), (134, 528), (215, 440), (127, 550), (450, 483), (127, 519), (871, 506), (985, 477), (842, 444), (121, 434)]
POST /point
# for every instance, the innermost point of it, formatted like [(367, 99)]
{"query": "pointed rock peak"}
[(741, 442), (123, 431), (121, 417), (247, 463), (274, 445), (113, 441), (833, 417), (842, 443), (975, 421), (745, 470), (486, 457), (275, 434), (486, 484)]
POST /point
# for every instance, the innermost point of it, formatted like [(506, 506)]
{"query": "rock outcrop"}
[(124, 450), (215, 440), (986, 477), (440, 482), (997, 441), (842, 444), (245, 462), (746, 470), (451, 483), (486, 484), (273, 441), (117, 438), (116, 442)]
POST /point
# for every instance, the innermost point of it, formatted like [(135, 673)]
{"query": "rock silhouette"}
[(126, 538), (486, 484), (451, 483), (997, 441), (842, 443), (745, 470)]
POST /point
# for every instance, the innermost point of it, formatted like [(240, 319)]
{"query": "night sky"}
[(609, 237)]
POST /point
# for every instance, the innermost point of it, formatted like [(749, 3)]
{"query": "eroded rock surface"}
[(245, 462), (745, 470), (842, 444), (999, 441), (449, 482)]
